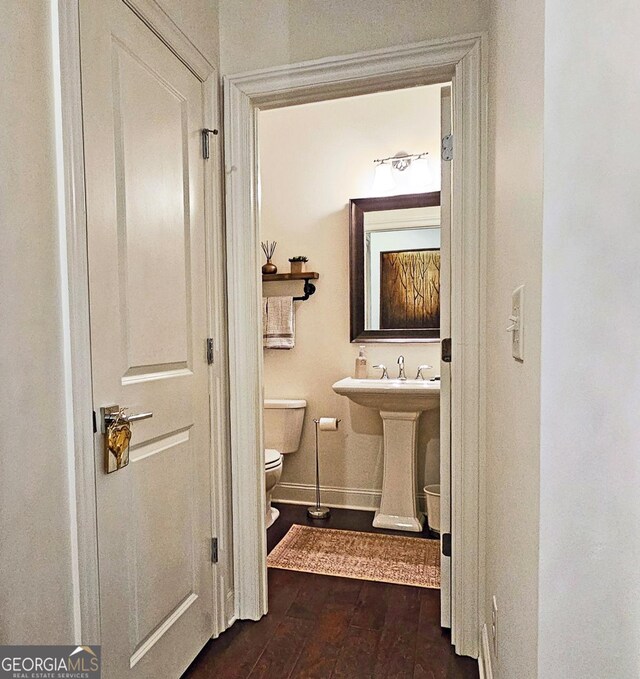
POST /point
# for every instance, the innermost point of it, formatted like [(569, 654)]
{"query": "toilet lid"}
[(272, 457)]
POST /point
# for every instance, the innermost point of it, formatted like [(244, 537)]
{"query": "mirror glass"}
[(394, 245), (402, 268)]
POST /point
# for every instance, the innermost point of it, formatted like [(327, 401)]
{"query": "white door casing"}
[(445, 367), (458, 60), (145, 194)]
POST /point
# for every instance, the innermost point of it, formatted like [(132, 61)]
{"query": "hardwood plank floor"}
[(322, 627), (344, 519)]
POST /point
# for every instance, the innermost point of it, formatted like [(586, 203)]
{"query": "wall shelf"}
[(306, 276)]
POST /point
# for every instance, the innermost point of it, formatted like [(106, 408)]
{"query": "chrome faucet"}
[(385, 374), (420, 376), (401, 375)]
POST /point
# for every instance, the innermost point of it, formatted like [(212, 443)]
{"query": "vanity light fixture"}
[(402, 161), (419, 176)]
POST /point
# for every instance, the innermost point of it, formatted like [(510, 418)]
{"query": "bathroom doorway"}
[(247, 95), (369, 233)]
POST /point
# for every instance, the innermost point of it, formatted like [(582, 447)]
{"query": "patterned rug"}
[(363, 556)]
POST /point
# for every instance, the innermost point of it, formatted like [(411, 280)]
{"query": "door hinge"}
[(446, 350), (447, 147), (446, 544), (95, 422), (205, 141), (214, 550), (210, 350)]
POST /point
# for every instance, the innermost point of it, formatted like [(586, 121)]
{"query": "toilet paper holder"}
[(322, 424)]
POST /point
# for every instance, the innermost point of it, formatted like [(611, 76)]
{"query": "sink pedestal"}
[(399, 403), (399, 505)]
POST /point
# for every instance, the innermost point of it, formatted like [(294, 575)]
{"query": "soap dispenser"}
[(361, 365)]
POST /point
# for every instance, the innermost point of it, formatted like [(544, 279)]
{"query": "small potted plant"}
[(297, 263)]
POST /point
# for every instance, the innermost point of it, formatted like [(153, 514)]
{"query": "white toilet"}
[(282, 432)]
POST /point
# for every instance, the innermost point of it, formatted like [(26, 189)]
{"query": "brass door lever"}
[(116, 426)]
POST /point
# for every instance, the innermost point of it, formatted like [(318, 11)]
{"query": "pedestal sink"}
[(400, 404)]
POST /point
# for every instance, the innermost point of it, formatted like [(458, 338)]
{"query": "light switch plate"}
[(517, 312)]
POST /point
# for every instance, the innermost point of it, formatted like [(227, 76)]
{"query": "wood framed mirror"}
[(394, 268)]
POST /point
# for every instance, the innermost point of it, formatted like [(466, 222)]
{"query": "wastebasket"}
[(432, 494)]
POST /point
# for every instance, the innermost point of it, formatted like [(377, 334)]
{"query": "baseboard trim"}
[(484, 658), (343, 498)]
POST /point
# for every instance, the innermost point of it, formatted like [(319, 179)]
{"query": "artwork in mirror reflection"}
[(402, 269), (410, 289)]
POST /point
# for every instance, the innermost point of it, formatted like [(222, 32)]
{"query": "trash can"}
[(432, 494)]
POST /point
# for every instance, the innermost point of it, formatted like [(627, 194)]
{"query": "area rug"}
[(364, 556)]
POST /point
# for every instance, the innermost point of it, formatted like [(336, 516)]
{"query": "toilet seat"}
[(272, 458)]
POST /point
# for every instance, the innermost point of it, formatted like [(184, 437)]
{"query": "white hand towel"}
[(278, 323)]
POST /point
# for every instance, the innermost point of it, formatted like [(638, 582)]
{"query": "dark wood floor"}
[(320, 626), (345, 519)]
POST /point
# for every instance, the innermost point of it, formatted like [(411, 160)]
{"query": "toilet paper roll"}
[(328, 424)]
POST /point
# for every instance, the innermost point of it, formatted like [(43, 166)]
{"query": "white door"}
[(143, 112), (445, 367)]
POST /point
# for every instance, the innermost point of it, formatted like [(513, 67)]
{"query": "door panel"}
[(445, 368), (152, 167), (143, 111), (163, 530)]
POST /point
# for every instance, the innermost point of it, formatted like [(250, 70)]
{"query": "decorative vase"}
[(297, 267), (269, 267)]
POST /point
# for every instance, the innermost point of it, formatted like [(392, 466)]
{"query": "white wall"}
[(261, 33), (313, 159), (513, 392), (590, 463), (36, 566), (35, 554)]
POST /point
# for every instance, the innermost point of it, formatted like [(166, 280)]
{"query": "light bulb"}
[(421, 174), (383, 183)]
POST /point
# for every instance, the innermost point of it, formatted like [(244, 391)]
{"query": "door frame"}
[(72, 232), (461, 60)]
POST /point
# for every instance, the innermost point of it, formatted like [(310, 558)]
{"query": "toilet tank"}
[(283, 423)]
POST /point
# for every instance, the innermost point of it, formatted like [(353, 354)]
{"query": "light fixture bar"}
[(403, 156)]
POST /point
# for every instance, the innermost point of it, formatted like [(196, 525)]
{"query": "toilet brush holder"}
[(318, 511)]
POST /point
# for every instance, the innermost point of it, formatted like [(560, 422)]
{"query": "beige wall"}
[(513, 389), (36, 565), (313, 159), (198, 19), (261, 33)]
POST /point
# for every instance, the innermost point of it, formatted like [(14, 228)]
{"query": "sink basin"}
[(400, 403), (391, 395)]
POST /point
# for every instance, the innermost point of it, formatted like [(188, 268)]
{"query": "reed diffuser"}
[(268, 249)]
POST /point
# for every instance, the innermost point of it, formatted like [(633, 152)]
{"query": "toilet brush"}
[(326, 424)]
